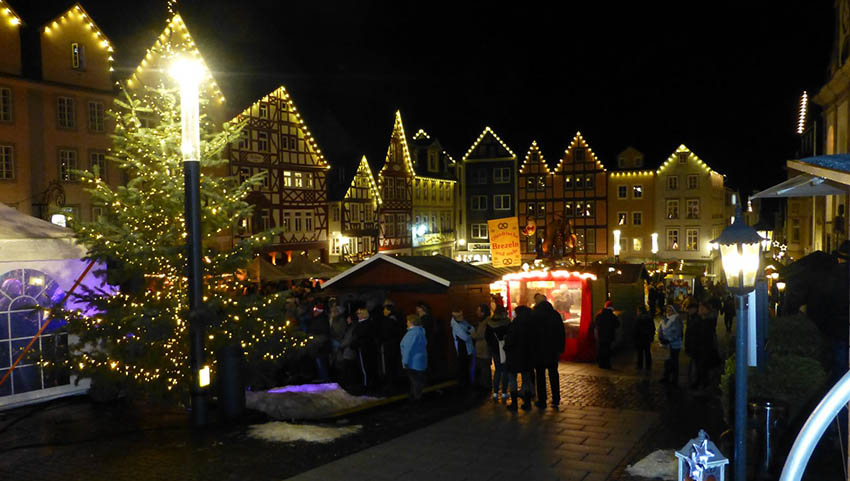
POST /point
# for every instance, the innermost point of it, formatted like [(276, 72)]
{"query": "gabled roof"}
[(173, 40), (78, 10), (364, 169), (488, 132), (439, 269), (579, 142), (691, 157), (290, 105), (421, 134), (398, 131), (534, 150), (10, 16)]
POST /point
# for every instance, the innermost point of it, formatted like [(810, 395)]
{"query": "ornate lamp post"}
[(188, 74), (740, 255), (617, 246)]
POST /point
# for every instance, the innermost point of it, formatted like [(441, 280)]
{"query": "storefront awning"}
[(803, 185)]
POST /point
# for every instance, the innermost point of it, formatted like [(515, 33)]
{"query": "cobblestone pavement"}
[(605, 418)]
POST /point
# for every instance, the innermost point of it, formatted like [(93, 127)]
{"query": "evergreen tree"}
[(138, 335)]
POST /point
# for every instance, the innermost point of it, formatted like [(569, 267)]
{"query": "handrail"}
[(829, 407)]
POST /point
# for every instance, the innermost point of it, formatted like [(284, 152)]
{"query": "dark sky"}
[(722, 78)]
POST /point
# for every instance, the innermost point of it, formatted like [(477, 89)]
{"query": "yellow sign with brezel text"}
[(504, 242)]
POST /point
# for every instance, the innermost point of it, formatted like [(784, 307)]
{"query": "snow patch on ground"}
[(660, 464), (280, 432), (310, 401)]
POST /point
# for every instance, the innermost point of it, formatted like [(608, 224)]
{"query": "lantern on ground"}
[(740, 254), (700, 460)]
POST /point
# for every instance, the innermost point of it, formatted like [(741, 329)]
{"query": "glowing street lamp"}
[(188, 74), (617, 246), (740, 255), (655, 242)]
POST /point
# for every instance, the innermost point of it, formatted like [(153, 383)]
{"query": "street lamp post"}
[(188, 74), (740, 255), (617, 246)]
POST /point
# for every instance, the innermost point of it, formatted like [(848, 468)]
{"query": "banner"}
[(504, 242)]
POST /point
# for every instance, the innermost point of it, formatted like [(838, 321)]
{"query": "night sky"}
[(724, 80)]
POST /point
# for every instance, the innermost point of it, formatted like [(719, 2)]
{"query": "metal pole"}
[(191, 147), (741, 392)]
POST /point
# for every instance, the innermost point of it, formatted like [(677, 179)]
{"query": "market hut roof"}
[(439, 269)]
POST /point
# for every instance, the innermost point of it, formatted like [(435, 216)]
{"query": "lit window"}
[(541, 183), (96, 116), (637, 244), (68, 166), (568, 182), (78, 56), (568, 209), (637, 191), (5, 104), (298, 180), (692, 239), (7, 162), (541, 209), (672, 239), (244, 174), (622, 218), (672, 209), (65, 112), (530, 209), (287, 179), (588, 182), (97, 163)]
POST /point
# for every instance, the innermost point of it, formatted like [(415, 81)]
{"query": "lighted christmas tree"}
[(139, 335)]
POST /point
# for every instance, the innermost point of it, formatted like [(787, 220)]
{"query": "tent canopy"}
[(261, 270), (300, 267), (803, 185), (27, 238)]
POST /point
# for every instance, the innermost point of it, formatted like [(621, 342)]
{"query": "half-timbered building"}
[(353, 224), (293, 196), (395, 182), (580, 191), (535, 199)]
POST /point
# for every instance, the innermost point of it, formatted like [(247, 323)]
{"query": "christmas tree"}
[(138, 336)]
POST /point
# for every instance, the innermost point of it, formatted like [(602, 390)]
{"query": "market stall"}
[(573, 294)]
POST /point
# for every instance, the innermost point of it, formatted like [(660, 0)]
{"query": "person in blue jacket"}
[(414, 355)]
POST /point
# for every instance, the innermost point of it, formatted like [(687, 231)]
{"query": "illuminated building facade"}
[(353, 218), (395, 182), (487, 179), (55, 86), (631, 207), (434, 195)]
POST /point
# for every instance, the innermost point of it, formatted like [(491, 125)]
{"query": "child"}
[(414, 355)]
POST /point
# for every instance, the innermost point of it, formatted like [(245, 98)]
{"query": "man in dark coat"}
[(550, 337), (605, 325), (320, 346), (366, 344), (518, 349)]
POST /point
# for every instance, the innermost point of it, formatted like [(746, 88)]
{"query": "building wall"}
[(433, 207), (632, 194), (83, 65), (395, 182), (10, 39), (355, 230)]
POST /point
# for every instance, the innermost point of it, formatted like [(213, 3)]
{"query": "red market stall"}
[(571, 294)]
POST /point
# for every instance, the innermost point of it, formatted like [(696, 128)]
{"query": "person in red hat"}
[(605, 328)]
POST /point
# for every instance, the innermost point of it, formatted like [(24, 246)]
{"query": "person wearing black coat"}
[(550, 337), (644, 334), (366, 344), (391, 332), (605, 326), (319, 329), (518, 350)]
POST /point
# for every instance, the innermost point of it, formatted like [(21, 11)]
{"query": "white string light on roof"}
[(487, 130), (578, 141)]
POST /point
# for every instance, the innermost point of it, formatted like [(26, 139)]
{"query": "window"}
[(265, 221), (479, 202), (622, 191), (5, 104), (672, 239), (479, 176), (637, 218), (264, 111), (433, 165), (65, 112), (98, 212), (298, 179), (400, 189), (637, 191), (530, 209), (287, 221), (287, 179), (299, 223), (637, 244), (502, 202), (590, 240), (388, 188), (502, 175), (434, 223), (622, 218), (568, 209), (97, 164), (541, 183), (440, 189), (96, 116), (244, 174), (389, 225), (588, 182), (308, 180), (541, 209), (243, 140), (672, 182), (78, 56), (673, 209), (683, 157), (263, 141), (335, 214), (587, 210), (692, 239), (67, 165), (621, 163), (7, 162), (578, 155), (795, 230), (400, 224), (479, 231), (578, 182), (568, 182), (693, 182), (693, 208), (308, 221)]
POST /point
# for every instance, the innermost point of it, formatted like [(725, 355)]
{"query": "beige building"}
[(53, 116), (631, 207), (434, 190), (690, 209)]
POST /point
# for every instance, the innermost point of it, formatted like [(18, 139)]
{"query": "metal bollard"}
[(231, 384), (768, 416)]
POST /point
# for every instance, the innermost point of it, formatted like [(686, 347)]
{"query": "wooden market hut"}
[(626, 283), (442, 283)]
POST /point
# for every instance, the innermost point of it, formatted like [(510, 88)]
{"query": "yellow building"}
[(631, 207), (353, 218), (53, 113), (434, 193)]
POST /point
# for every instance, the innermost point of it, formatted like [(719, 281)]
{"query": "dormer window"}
[(78, 56), (264, 111)]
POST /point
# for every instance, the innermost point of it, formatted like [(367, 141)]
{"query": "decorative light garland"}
[(487, 130)]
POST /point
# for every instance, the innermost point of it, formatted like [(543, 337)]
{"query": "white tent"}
[(39, 263)]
